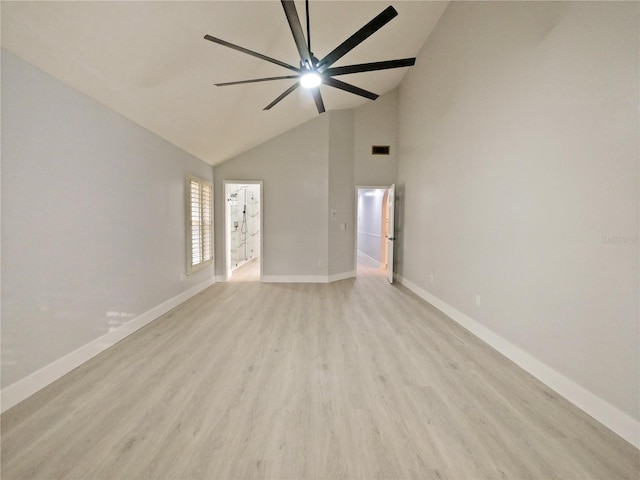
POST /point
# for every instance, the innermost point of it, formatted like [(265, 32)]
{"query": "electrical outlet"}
[(320, 263), (431, 279), (478, 300)]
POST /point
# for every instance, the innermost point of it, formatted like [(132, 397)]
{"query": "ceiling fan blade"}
[(284, 94), (255, 80), (357, 38), (318, 99), (347, 87), (306, 7), (369, 67), (250, 52), (296, 29)]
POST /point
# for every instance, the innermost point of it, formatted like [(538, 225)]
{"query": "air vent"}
[(379, 149)]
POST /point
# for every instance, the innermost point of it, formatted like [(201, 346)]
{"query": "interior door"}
[(391, 232)]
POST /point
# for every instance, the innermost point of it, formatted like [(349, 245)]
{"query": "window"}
[(199, 223)]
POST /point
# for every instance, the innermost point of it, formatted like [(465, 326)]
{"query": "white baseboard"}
[(307, 278), (342, 276), (15, 393), (610, 416)]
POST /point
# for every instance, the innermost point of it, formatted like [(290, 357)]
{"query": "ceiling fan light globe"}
[(310, 80)]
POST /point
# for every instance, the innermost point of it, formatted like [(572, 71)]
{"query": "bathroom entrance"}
[(243, 230)]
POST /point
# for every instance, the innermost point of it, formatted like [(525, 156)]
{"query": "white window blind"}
[(200, 217)]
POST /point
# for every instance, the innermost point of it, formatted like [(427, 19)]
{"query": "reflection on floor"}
[(367, 266), (249, 272)]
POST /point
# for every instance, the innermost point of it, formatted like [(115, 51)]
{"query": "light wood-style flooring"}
[(249, 272), (356, 379)]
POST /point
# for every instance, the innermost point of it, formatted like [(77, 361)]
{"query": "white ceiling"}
[(149, 62)]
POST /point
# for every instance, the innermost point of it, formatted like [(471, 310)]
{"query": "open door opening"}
[(243, 230), (374, 255)]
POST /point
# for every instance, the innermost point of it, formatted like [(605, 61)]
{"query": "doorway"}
[(373, 235), (243, 230)]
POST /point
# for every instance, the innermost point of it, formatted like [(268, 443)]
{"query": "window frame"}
[(202, 183)]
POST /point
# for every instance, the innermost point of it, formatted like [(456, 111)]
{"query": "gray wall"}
[(341, 193), (376, 123), (307, 173), (295, 171), (93, 230), (518, 168)]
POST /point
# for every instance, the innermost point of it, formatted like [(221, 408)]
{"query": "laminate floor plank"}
[(356, 379)]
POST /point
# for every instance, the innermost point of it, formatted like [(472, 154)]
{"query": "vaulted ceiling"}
[(149, 62)]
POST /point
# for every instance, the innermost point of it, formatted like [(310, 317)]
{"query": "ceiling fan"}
[(314, 72)]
